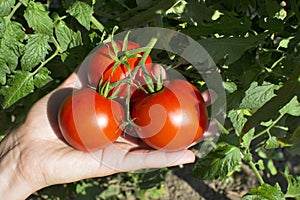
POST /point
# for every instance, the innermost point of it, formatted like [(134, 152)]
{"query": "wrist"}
[(13, 184)]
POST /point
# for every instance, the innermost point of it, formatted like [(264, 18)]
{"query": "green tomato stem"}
[(58, 47), (268, 128), (256, 172), (45, 62), (97, 24), (140, 65)]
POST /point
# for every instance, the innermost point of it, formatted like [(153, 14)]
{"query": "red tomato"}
[(89, 121), (101, 65), (172, 118)]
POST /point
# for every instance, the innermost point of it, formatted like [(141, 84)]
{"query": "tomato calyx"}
[(109, 86)]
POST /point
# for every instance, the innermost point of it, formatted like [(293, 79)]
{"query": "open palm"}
[(45, 159)]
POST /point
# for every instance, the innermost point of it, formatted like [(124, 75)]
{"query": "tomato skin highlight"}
[(101, 65), (172, 118), (89, 121)]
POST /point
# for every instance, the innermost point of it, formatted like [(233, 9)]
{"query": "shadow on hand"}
[(54, 103)]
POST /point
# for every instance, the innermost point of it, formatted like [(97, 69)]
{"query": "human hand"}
[(39, 157)]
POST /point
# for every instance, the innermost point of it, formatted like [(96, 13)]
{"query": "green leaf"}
[(36, 50), (66, 37), (112, 190), (152, 193), (271, 167), (295, 140), (282, 14), (271, 108), (225, 25), (6, 6), (144, 3), (219, 163), (272, 7), (13, 40), (238, 120), (257, 95), (15, 30), (2, 27), (267, 124), (261, 165), (38, 19), (9, 57), (247, 138), (230, 86), (232, 48), (82, 12), (284, 43), (293, 189), (18, 86), (42, 78), (291, 108), (272, 143), (272, 24), (11, 47), (4, 69), (195, 13), (265, 192)]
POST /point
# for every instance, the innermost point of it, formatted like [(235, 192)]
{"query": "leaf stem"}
[(11, 14), (268, 128), (45, 62), (277, 61), (256, 172), (97, 24), (58, 48), (140, 65)]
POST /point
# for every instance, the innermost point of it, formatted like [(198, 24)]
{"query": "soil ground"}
[(181, 185)]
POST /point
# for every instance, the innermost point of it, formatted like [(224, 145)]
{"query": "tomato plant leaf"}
[(232, 48), (230, 86), (6, 6), (12, 42), (14, 30), (293, 189), (272, 7), (42, 77), (295, 140), (2, 27), (257, 95), (140, 17), (265, 192), (238, 120), (270, 108), (219, 163), (38, 19), (193, 12), (36, 50), (111, 191), (226, 25), (18, 86), (11, 47), (247, 138), (272, 143), (82, 12), (67, 38), (271, 167), (291, 108), (4, 69)]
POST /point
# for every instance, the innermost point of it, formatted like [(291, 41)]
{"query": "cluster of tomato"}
[(170, 118)]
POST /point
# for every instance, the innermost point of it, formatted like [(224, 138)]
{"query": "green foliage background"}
[(255, 44)]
